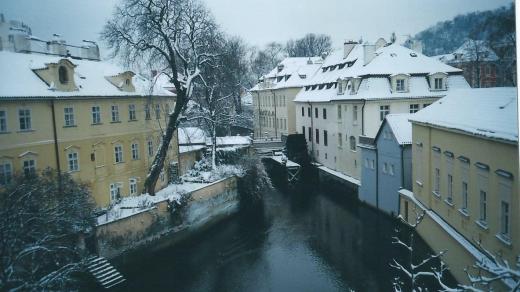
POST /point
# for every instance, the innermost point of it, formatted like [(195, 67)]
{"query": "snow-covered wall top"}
[(191, 135), (486, 112), (18, 77)]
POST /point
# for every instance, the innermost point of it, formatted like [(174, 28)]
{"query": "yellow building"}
[(91, 119), (465, 176), (273, 96)]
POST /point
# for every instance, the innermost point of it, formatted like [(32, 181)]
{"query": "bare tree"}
[(310, 45), (266, 59), (176, 34), (40, 223)]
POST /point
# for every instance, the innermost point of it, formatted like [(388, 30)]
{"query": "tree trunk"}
[(158, 162), (214, 148)]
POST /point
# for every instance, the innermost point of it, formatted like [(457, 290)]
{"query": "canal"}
[(306, 240)]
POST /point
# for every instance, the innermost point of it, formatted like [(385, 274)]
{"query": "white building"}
[(355, 88), (273, 96)]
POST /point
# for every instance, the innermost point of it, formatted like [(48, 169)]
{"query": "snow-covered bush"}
[(40, 220)]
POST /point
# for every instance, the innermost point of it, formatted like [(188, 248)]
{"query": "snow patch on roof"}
[(191, 135), (401, 127), (485, 112)]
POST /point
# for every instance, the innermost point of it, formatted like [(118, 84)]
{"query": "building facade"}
[(274, 94), (477, 60), (93, 120), (465, 176), (387, 164), (356, 88)]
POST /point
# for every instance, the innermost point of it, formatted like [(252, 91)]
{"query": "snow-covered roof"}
[(291, 72), (469, 51), (230, 140), (401, 127), (484, 112), (388, 61), (191, 135), (191, 148), (247, 99), (90, 77)]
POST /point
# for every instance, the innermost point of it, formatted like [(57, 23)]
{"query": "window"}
[(439, 83), (24, 116), (157, 111), (317, 136), (391, 170), (309, 112), (414, 108), (354, 113), (150, 147), (325, 138), (316, 112), (96, 115), (133, 187), (437, 182), (399, 85), (62, 74), (118, 153), (324, 113), (385, 167), (450, 189), (310, 134), (340, 140), (6, 173), (131, 112), (383, 111), (372, 164), (504, 218), (115, 114), (73, 162), (115, 191), (135, 151), (339, 112), (366, 163), (3, 121), (352, 143), (69, 116), (303, 131), (464, 196), (147, 112), (303, 111), (483, 206), (29, 167)]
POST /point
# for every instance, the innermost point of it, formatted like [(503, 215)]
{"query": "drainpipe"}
[(363, 118), (56, 148), (275, 119), (377, 175), (402, 165)]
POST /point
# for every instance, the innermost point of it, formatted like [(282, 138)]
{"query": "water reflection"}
[(307, 240)]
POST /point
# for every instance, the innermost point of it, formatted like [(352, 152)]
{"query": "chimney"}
[(90, 50), (57, 45), (417, 46), (369, 53), (381, 42), (347, 47)]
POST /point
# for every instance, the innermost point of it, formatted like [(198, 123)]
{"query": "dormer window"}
[(62, 74), (439, 83), (399, 85), (341, 89), (127, 82)]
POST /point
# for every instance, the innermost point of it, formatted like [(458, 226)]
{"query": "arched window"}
[(62, 72), (352, 143)]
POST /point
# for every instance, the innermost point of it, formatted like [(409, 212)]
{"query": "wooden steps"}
[(105, 274)]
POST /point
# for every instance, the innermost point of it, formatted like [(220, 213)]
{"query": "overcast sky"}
[(259, 21)]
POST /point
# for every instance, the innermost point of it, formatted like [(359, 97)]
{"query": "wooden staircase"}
[(105, 274)]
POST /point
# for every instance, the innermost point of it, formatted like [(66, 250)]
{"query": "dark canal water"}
[(307, 240)]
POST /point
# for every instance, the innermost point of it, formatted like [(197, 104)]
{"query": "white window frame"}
[(115, 191), (414, 108), (6, 171), (352, 141), (384, 110), (340, 140), (437, 181), (3, 121), (115, 113), (438, 83), (73, 161), (150, 147), (132, 186), (157, 111), (339, 112), (355, 113), (483, 197), (25, 114), (96, 114), (132, 115), (118, 153), (505, 219), (29, 168), (68, 116), (135, 151), (400, 85), (464, 195)]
